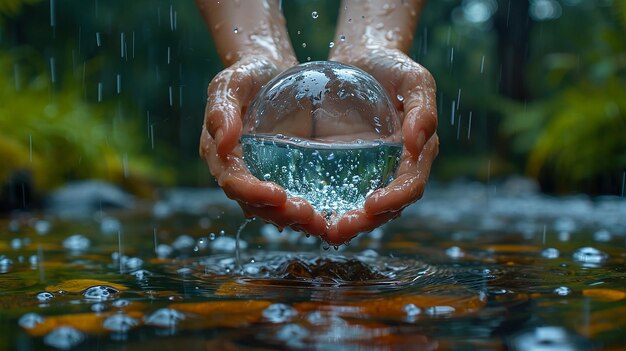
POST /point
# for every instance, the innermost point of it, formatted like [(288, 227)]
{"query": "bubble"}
[(120, 303), (164, 317), (64, 338), (550, 253), (439, 310), (590, 256), (563, 291), (314, 14), (183, 242), (29, 320), (227, 244), (76, 242), (163, 250), (411, 310), (110, 225), (279, 313), (44, 296), (141, 274), (120, 323), (42, 227), (455, 252), (98, 307), (100, 292)]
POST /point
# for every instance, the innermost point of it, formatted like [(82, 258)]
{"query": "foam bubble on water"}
[(44, 296), (279, 313), (163, 250), (100, 292), (563, 291), (183, 242), (120, 303), (30, 320), (227, 244), (550, 253), (5, 264), (547, 338), (590, 256), (314, 14), (76, 242), (120, 323), (131, 263), (64, 338), (164, 317)]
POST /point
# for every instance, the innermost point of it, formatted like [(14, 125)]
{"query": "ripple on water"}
[(120, 323), (279, 313), (164, 317)]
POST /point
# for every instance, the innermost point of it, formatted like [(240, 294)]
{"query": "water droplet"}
[(314, 14), (100, 292), (236, 30), (439, 310), (400, 98), (212, 236), (279, 313), (76, 242), (64, 338), (29, 320), (602, 236), (227, 244), (342, 37), (563, 291), (42, 227), (590, 256), (110, 225), (303, 45), (455, 252), (98, 307), (44, 296), (331, 44), (120, 303), (120, 323), (164, 317), (141, 274)]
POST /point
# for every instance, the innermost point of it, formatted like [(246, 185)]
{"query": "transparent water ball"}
[(326, 132)]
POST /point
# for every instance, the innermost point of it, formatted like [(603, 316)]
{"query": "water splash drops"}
[(100, 292), (64, 338), (120, 323), (279, 313), (164, 317)]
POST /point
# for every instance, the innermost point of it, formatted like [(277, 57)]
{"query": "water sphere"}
[(326, 132)]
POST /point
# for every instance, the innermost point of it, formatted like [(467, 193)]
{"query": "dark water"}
[(467, 268)]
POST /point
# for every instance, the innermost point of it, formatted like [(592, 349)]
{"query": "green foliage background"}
[(128, 93)]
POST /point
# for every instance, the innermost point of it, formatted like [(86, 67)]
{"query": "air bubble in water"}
[(64, 338), (314, 14), (44, 296), (563, 291), (100, 292), (120, 323), (76, 242), (29, 320), (279, 313), (589, 256), (164, 317)]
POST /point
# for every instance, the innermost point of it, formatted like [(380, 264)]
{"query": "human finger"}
[(295, 212), (354, 222), (409, 184)]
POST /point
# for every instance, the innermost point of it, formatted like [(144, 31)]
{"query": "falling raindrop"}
[(303, 45), (98, 40), (469, 125), (482, 65), (52, 70), (99, 91), (314, 14), (119, 83)]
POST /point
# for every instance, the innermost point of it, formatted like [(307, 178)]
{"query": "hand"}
[(229, 94), (403, 77)]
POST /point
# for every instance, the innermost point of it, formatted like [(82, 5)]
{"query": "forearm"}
[(367, 24), (247, 28)]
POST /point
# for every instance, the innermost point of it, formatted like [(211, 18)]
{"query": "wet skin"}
[(370, 35)]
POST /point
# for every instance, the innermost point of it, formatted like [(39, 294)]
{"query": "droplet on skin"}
[(342, 37), (331, 44), (236, 30)]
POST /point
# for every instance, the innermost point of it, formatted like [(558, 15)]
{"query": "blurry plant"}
[(575, 134), (56, 135)]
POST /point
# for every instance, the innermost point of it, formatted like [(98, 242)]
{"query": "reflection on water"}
[(467, 268)]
